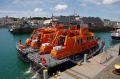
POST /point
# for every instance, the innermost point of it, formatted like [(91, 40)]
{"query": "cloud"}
[(37, 9), (110, 1), (96, 2), (83, 4), (28, 13), (16, 1), (28, 2), (59, 7), (8, 11)]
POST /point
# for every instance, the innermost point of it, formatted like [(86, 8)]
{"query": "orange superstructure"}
[(47, 47), (58, 40), (42, 35), (76, 41)]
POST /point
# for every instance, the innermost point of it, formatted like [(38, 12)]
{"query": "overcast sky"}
[(108, 9)]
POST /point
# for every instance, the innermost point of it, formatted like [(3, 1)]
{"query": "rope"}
[(96, 60)]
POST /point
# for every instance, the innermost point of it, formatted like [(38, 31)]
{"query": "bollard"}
[(79, 64), (85, 58), (119, 51), (53, 74), (59, 73), (45, 73)]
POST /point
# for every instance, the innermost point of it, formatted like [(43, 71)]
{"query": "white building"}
[(118, 23), (47, 22), (110, 23), (2, 21)]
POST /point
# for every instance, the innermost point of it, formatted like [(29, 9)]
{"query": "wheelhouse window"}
[(81, 41), (87, 38), (90, 38), (77, 41)]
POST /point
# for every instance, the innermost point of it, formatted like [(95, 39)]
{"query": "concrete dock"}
[(97, 67)]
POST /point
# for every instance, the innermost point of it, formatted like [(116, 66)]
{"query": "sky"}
[(105, 9)]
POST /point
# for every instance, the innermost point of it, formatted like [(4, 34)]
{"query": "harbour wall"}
[(98, 28), (101, 29), (23, 30), (2, 26), (91, 29)]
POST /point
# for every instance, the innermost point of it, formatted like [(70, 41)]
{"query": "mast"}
[(52, 18)]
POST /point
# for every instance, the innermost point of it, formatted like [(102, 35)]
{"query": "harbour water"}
[(13, 68)]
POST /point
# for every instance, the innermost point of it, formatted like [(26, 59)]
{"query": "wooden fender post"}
[(45, 73)]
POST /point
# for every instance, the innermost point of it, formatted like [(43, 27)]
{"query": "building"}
[(67, 20), (111, 23), (118, 23), (91, 21), (2, 21)]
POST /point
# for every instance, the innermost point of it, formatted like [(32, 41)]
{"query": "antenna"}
[(52, 19), (69, 21), (47, 16), (86, 9), (74, 11)]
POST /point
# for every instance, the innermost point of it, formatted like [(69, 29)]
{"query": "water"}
[(10, 66), (13, 68), (28, 71), (106, 36)]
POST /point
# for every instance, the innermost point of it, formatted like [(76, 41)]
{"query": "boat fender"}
[(42, 60)]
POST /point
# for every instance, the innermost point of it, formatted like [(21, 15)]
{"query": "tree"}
[(44, 18), (14, 19), (106, 20), (98, 17)]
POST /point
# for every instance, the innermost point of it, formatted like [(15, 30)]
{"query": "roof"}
[(72, 18), (65, 19), (91, 20)]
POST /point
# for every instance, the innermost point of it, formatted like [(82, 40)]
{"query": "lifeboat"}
[(70, 45), (39, 36), (42, 35), (58, 40), (76, 41), (47, 47)]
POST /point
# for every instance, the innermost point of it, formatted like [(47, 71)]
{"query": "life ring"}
[(21, 47), (42, 60)]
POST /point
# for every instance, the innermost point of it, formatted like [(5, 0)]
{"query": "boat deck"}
[(27, 50), (50, 62)]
